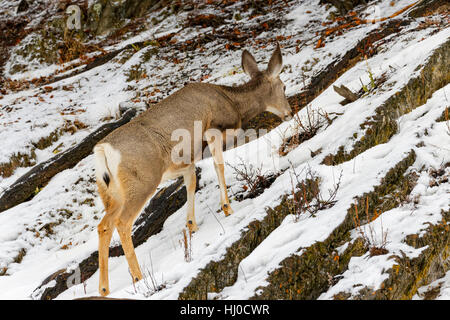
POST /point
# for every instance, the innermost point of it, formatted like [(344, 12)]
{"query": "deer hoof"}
[(191, 226), (137, 276), (104, 292), (227, 210)]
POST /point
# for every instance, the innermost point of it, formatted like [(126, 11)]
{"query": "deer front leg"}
[(215, 146), (190, 180), (224, 200)]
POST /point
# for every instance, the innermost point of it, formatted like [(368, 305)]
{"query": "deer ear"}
[(275, 63), (249, 64)]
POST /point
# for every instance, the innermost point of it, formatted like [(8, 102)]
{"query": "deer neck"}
[(247, 100)]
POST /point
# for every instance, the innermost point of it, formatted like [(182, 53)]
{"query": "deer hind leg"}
[(136, 193), (215, 146), (105, 230), (190, 180)]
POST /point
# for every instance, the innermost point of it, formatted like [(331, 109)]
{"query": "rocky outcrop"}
[(24, 188)]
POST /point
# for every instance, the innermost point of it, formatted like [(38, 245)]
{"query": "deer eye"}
[(284, 88)]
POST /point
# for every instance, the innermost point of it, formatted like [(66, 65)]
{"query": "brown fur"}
[(137, 156)]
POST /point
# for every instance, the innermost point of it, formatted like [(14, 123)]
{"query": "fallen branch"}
[(345, 92)]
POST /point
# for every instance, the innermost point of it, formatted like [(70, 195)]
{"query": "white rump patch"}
[(106, 157)]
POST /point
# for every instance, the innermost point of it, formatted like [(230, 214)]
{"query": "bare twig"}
[(254, 180), (216, 219)]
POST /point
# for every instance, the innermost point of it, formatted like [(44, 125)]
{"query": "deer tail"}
[(101, 165)]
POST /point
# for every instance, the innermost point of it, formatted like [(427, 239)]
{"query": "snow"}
[(96, 95), (410, 218)]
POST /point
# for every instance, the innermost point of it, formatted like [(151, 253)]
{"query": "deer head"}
[(273, 98)]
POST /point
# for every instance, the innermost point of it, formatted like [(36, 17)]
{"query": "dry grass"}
[(72, 47), (149, 284), (376, 243), (187, 245)]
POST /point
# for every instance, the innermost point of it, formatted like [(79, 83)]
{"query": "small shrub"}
[(149, 285), (253, 179), (304, 129), (307, 196)]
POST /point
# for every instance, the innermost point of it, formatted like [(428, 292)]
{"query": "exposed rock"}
[(24, 188), (345, 92), (23, 6)]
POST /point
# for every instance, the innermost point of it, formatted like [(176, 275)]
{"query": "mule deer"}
[(134, 159)]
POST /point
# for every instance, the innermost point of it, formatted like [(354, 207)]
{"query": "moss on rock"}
[(106, 16), (21, 159), (409, 274)]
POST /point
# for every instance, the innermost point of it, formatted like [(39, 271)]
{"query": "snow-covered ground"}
[(57, 228)]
